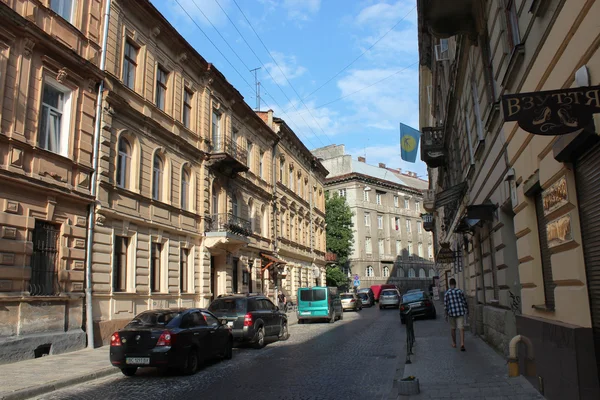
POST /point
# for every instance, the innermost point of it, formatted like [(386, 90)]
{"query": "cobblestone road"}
[(351, 359)]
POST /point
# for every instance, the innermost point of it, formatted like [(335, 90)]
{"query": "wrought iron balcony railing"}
[(226, 222), (433, 152), (428, 223), (228, 154)]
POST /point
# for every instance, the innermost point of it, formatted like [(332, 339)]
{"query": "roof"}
[(376, 172)]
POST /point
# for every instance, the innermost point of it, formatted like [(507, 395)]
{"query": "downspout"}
[(275, 209), (89, 320)]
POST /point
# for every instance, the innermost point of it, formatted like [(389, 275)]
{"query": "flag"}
[(409, 143)]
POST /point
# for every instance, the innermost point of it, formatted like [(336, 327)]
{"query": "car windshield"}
[(346, 296), (228, 306), (363, 290), (312, 295), (415, 296), (153, 319), (389, 292)]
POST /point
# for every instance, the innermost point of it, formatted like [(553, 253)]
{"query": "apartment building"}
[(514, 200), (391, 244), (49, 55)]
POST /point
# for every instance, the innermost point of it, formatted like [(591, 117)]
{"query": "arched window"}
[(386, 272), (411, 273), (400, 272), (123, 163), (235, 207), (157, 174), (185, 189), (431, 272), (422, 273), (370, 271)]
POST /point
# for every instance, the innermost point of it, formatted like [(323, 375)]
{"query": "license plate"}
[(415, 304), (230, 323), (138, 360), (305, 313)]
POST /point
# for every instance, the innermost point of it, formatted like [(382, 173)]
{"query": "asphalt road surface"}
[(355, 358)]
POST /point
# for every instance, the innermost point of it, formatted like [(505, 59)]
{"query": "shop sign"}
[(553, 112), (559, 231), (445, 255), (555, 196)]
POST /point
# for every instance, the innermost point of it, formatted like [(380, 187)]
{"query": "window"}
[(395, 201), (367, 219), (54, 119), (410, 250), (210, 319), (291, 181), (418, 205), (406, 204), (157, 171), (408, 226), (185, 189), (64, 8), (187, 108), (369, 271), (411, 273), (260, 164), (161, 88), (123, 163), (430, 251), (292, 228), (183, 270), (342, 193), (216, 130), (380, 221), (215, 199), (422, 273), (378, 198), (386, 272), (381, 246), (119, 272), (368, 247), (129, 65), (419, 227), (235, 206), (366, 195), (398, 247), (397, 223), (281, 170), (249, 154), (512, 22), (299, 188), (421, 250), (155, 252)]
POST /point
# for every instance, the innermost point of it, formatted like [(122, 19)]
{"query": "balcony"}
[(428, 222), (449, 18), (429, 200), (433, 152), (226, 232), (227, 157)]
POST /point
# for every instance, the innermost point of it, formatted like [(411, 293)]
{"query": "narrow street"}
[(353, 358)]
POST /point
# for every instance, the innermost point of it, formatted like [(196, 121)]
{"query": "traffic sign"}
[(356, 277), (357, 282)]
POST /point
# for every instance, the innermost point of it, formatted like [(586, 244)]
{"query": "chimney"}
[(362, 159), (381, 165)]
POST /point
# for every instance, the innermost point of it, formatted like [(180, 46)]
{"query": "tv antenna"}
[(257, 85)]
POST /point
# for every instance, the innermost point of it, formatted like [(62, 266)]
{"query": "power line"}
[(286, 78), (362, 54)]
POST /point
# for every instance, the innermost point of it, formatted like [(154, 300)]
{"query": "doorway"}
[(235, 273)]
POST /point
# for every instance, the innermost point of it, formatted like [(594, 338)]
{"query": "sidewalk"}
[(447, 373), (35, 377)]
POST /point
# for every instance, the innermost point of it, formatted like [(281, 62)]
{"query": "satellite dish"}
[(316, 272)]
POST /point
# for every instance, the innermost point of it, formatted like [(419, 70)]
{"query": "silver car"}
[(366, 300), (389, 298)]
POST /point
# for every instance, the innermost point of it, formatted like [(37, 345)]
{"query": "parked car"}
[(389, 298), (180, 338), (319, 303), (413, 291), (351, 301), (366, 300), (252, 318), (420, 305), (369, 292)]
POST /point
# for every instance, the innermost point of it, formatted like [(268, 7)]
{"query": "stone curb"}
[(45, 388)]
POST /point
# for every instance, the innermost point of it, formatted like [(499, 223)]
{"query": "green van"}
[(319, 302)]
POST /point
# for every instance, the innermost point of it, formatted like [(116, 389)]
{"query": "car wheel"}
[(129, 371), (284, 333), (192, 362), (228, 350), (260, 338)]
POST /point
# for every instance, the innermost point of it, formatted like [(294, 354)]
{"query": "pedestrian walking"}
[(456, 308), (281, 300)]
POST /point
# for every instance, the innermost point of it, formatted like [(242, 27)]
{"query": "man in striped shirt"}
[(456, 307)]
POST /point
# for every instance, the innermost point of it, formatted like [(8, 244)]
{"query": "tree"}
[(338, 218), (335, 277)]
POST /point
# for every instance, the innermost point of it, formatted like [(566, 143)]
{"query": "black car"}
[(420, 305), (251, 317), (180, 338)]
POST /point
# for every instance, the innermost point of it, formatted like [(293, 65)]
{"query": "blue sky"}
[(309, 42)]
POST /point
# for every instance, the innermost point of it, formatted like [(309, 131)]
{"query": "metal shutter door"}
[(587, 173)]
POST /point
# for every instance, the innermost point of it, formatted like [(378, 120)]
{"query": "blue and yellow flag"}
[(409, 143)]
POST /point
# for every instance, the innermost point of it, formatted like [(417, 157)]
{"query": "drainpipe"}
[(275, 208), (89, 320), (513, 359)]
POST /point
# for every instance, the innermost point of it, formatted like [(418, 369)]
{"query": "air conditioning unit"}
[(442, 51)]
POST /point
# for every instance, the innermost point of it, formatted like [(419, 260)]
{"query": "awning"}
[(272, 260), (450, 195), (484, 212)]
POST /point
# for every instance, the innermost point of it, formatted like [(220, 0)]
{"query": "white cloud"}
[(301, 9), (287, 66)]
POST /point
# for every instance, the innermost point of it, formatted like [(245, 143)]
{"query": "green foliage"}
[(338, 217), (335, 277)]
